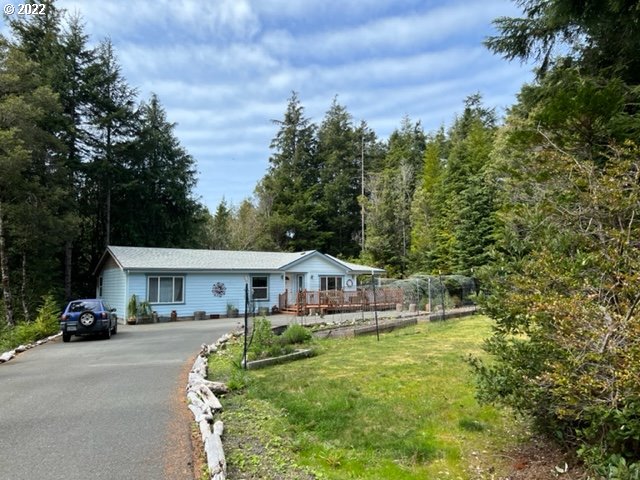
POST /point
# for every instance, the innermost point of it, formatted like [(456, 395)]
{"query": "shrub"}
[(45, 324), (294, 334), (264, 342), (566, 343)]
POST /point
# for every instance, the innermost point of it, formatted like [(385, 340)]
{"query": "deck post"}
[(375, 306), (246, 324)]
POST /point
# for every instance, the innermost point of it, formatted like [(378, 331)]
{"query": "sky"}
[(224, 69)]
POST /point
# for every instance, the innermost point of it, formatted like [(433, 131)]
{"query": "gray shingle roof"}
[(355, 268), (144, 258)]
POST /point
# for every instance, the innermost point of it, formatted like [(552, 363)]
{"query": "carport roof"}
[(156, 259)]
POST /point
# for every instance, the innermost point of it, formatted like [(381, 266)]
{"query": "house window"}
[(260, 288), (100, 284), (330, 283), (166, 290)]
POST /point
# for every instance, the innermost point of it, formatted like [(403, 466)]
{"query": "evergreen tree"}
[(339, 160), (111, 118), (564, 284), (161, 179), (427, 204), (388, 234), (453, 208), (220, 232), (598, 35), (291, 189), (30, 196)]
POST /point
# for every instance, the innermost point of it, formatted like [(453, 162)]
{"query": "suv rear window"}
[(82, 306)]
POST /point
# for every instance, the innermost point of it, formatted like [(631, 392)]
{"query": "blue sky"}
[(224, 69)]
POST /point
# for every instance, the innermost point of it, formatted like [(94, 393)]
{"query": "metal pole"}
[(442, 296), (430, 295), (362, 192), (246, 324), (361, 294), (375, 306)]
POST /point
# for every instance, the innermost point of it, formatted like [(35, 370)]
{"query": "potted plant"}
[(232, 310), (144, 312), (132, 310), (138, 312)]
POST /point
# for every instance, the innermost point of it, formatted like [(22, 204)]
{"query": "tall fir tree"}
[(31, 199), (161, 178), (111, 118), (427, 203), (291, 189), (453, 207), (340, 179), (388, 232)]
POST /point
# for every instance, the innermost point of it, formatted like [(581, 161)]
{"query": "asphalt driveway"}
[(103, 409)]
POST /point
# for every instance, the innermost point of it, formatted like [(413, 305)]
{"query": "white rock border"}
[(203, 403), (11, 354)]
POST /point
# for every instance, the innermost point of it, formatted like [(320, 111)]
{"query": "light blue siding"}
[(198, 294), (317, 266), (118, 285), (113, 290)]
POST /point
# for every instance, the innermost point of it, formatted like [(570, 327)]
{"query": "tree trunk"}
[(107, 236), (68, 256), (23, 288), (4, 274)]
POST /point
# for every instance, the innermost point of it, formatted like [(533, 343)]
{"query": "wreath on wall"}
[(349, 283), (218, 289)]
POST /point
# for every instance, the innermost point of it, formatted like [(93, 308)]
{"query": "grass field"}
[(401, 408)]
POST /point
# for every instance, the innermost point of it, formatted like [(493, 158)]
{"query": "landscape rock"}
[(6, 356)]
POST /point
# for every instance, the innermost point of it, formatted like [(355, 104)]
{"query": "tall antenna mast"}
[(362, 192)]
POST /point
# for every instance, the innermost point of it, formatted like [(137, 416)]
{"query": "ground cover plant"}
[(400, 408), (264, 343), (45, 324)]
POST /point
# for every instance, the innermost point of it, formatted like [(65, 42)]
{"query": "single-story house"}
[(186, 281)]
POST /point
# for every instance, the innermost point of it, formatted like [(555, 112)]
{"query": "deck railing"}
[(338, 300)]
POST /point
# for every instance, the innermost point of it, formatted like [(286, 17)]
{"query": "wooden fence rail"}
[(327, 301)]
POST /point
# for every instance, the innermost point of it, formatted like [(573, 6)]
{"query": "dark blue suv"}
[(90, 316)]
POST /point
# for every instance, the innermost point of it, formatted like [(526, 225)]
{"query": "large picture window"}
[(166, 290), (330, 283), (260, 288)]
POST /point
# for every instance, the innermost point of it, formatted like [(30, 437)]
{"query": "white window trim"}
[(266, 298), (173, 289), (326, 279)]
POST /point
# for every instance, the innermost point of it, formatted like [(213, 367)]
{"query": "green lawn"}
[(401, 408)]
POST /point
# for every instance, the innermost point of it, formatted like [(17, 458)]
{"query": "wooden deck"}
[(331, 301)]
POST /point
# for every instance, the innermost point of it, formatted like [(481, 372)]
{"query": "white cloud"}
[(219, 18), (224, 69)]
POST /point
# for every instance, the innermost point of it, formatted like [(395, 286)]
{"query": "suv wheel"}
[(114, 330), (66, 337), (87, 318)]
